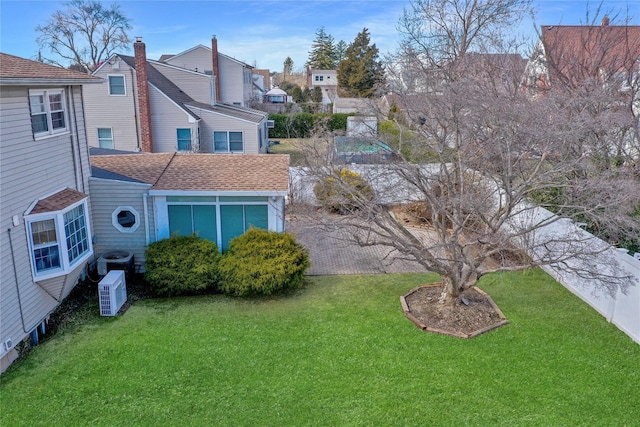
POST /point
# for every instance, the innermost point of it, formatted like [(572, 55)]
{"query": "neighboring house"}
[(47, 233), (154, 106), (327, 80), (233, 78), (580, 59), (143, 197), (362, 106), (567, 56)]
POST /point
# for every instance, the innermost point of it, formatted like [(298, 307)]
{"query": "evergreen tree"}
[(316, 96), (296, 94), (306, 94), (322, 52), (338, 51), (360, 73), (287, 67)]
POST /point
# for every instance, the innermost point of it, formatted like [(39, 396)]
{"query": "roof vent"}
[(605, 21)]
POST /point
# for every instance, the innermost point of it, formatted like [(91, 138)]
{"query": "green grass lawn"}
[(292, 147), (338, 352)]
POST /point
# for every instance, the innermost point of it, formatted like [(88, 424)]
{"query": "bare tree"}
[(486, 160), (84, 34)]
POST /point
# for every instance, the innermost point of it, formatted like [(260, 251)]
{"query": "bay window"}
[(59, 240)]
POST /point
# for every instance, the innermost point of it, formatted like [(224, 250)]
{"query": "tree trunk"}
[(452, 288)]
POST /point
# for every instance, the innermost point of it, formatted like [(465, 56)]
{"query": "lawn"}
[(338, 352), (292, 147)]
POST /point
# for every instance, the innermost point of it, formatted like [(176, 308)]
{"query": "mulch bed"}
[(421, 305)]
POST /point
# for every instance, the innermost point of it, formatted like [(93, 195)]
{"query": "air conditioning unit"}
[(115, 260), (112, 292)]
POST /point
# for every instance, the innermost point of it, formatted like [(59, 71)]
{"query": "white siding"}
[(113, 111), (32, 170), (108, 195)]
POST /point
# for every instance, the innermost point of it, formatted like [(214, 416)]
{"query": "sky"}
[(263, 33)]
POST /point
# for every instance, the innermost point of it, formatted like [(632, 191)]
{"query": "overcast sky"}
[(261, 33)]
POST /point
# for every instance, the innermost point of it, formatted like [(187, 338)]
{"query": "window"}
[(319, 78), (59, 241), (126, 219), (48, 114), (184, 139), (105, 137), (225, 142), (236, 219), (116, 85)]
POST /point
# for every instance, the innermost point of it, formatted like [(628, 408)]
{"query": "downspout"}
[(145, 208), (15, 275), (73, 138), (75, 125)]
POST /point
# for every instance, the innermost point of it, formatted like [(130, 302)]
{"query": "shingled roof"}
[(166, 86), (200, 172), (577, 52), (16, 70)]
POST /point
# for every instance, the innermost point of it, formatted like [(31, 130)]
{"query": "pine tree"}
[(360, 73), (287, 67), (338, 51), (321, 56)]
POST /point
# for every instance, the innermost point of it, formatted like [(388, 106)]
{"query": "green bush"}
[(262, 262), (182, 265), (342, 192), (301, 125)]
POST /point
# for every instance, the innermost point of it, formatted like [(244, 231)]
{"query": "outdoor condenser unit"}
[(112, 292)]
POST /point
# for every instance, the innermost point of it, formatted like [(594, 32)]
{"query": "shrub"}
[(262, 262), (182, 265), (343, 192)]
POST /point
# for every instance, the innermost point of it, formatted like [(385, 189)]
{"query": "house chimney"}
[(605, 21), (216, 67), (144, 110)]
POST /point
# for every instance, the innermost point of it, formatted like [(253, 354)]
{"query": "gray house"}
[(155, 106), (144, 197), (46, 238)]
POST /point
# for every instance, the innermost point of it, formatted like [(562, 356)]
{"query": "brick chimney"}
[(216, 67), (605, 21), (144, 109)]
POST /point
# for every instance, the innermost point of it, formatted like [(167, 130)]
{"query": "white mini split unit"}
[(112, 292)]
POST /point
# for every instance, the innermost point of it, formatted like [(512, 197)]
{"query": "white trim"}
[(58, 216), (197, 193), (124, 82), (45, 93), (116, 224)]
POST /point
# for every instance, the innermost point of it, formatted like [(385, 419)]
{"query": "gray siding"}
[(217, 122), (113, 111), (231, 81), (32, 170), (108, 195), (166, 118), (198, 86), (198, 58)]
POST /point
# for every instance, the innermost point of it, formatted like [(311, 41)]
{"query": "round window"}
[(126, 219)]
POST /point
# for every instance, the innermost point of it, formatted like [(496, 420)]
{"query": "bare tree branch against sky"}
[(265, 32)]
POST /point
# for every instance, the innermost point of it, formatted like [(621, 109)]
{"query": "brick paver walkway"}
[(332, 253)]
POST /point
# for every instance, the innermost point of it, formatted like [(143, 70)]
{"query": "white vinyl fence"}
[(623, 308), (620, 308)]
